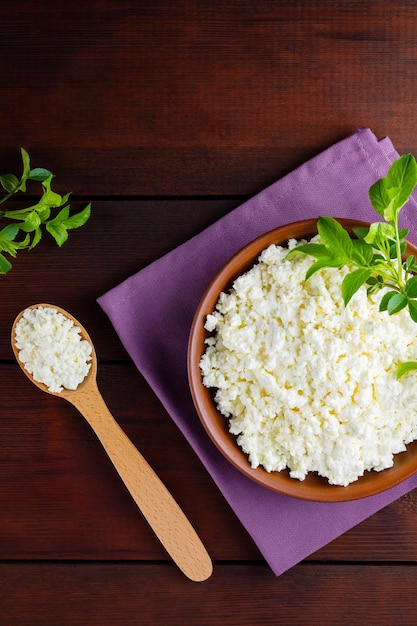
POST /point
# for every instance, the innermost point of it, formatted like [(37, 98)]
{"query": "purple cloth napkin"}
[(152, 312)]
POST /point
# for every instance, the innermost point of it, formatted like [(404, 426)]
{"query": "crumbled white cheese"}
[(305, 382), (51, 348)]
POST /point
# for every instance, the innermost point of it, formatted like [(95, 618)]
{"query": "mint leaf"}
[(362, 253), (31, 220), (7, 240), (411, 287), (58, 232), (9, 182), (393, 249), (379, 197), (63, 222), (378, 233), (25, 162), (361, 231), (316, 250), (412, 309), (39, 173), (5, 265), (56, 227), (322, 264), (49, 197), (402, 177), (78, 219), (26, 169), (388, 195), (31, 223), (396, 303), (353, 282), (336, 239), (410, 264), (383, 305)]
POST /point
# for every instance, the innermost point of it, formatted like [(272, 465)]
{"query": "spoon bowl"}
[(151, 496), (90, 379)]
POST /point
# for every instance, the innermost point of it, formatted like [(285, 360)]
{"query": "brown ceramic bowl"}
[(313, 487)]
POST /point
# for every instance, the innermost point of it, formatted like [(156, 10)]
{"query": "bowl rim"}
[(313, 488)]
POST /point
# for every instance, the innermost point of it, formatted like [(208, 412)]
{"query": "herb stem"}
[(388, 275), (401, 282)]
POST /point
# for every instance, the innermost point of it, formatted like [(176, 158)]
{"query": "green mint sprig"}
[(25, 227), (375, 256)]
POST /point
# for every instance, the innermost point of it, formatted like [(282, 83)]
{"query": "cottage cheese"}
[(305, 382), (51, 349)]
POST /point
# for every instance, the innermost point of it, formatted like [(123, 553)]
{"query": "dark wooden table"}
[(166, 115)]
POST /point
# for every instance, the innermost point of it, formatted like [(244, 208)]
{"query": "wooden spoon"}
[(152, 497)]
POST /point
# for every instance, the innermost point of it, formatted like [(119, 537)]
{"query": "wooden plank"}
[(196, 105), (178, 100), (61, 498), (42, 594)]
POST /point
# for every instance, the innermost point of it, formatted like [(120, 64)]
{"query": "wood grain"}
[(173, 98), (167, 115), (137, 593), (74, 505)]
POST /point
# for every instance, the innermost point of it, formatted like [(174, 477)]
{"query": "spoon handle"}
[(152, 497)]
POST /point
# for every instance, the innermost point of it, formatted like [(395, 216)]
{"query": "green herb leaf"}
[(378, 233), (39, 173), (383, 305), (322, 264), (5, 265), (50, 198), (30, 220), (395, 304), (7, 236), (412, 309), (8, 241), (388, 195), (410, 263), (31, 223), (58, 232), (9, 182), (411, 287), (56, 227), (25, 162), (361, 232), (316, 250), (336, 239), (78, 219), (406, 367), (353, 282), (63, 222), (26, 169), (362, 253), (393, 249)]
